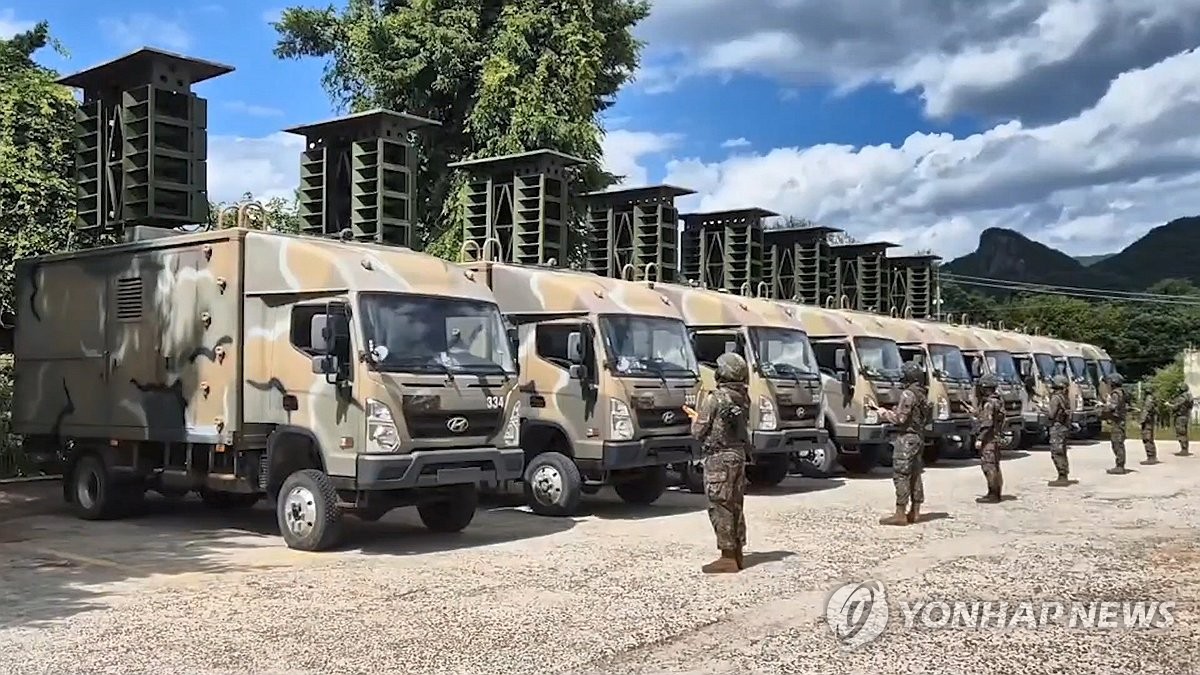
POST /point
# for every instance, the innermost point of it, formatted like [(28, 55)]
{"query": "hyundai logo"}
[(668, 417), (457, 424)]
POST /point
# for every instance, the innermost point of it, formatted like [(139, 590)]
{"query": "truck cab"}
[(985, 357), (949, 384), (859, 367), (1099, 367), (785, 384), (606, 368), (343, 377), (1085, 395), (1020, 367)]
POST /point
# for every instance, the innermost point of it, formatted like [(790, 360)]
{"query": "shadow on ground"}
[(752, 558), (54, 566), (798, 485)]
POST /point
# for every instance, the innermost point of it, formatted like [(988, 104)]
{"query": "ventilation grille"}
[(129, 299)]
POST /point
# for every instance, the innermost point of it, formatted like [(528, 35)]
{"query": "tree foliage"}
[(281, 214), (501, 76)]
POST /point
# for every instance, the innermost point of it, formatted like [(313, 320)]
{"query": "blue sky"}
[(1073, 121)]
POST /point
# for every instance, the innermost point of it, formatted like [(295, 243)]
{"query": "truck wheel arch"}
[(290, 449), (539, 437)]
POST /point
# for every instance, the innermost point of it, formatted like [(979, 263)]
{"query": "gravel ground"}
[(183, 590)]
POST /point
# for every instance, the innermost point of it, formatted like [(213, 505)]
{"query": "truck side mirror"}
[(731, 347), (575, 372), (840, 361), (320, 334), (325, 364), (575, 348), (514, 339), (976, 368)]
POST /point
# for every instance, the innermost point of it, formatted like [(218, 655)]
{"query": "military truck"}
[(1033, 390), (330, 377), (1084, 395), (785, 384), (1099, 367), (606, 368), (859, 367), (985, 357), (1051, 357), (950, 386)]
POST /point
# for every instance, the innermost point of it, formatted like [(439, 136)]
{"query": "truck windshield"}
[(648, 346), (426, 333), (880, 357), (1106, 368), (1046, 365), (1078, 369), (1001, 363), (783, 352), (948, 361), (1093, 372)]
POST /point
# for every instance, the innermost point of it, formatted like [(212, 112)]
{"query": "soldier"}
[(1060, 425), (1181, 407), (910, 416), (991, 426), (1149, 419), (1117, 409), (722, 427)]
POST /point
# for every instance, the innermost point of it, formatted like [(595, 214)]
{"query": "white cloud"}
[(1061, 183), (740, 142), (146, 30), (265, 167), (10, 25), (253, 109), (1037, 60), (623, 151)]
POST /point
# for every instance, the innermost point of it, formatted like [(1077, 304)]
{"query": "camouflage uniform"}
[(910, 416), (1148, 419), (1181, 408), (991, 426), (1060, 426), (1116, 410), (722, 427)]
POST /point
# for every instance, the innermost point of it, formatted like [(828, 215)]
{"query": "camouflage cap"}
[(732, 368), (1059, 382), (988, 381), (1116, 379), (912, 372)]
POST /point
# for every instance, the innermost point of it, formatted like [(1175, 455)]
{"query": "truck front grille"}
[(436, 424), (657, 418), (799, 413)]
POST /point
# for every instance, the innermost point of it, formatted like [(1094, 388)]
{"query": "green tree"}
[(281, 214), (501, 76)]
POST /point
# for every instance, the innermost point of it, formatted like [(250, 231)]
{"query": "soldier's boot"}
[(726, 564), (740, 558), (1118, 470), (896, 519), (1183, 452), (1150, 461), (992, 497), (914, 513), (1061, 481)]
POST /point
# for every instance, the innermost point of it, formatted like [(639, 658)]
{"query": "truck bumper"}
[(852, 435), (954, 427), (1034, 422), (1085, 418), (648, 451), (435, 468), (802, 441)]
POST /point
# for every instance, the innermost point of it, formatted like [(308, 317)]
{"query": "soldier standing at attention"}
[(722, 427), (991, 425), (1149, 418), (910, 416), (1181, 407), (1060, 425), (1117, 409)]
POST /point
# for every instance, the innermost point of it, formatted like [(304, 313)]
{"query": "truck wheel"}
[(823, 462), (228, 500), (862, 462), (172, 494), (307, 511), (885, 454), (95, 493), (453, 513), (932, 452), (552, 485), (1011, 439), (646, 488), (693, 476), (1027, 440), (768, 470)]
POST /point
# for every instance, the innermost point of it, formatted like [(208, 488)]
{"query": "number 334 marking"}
[(494, 402)]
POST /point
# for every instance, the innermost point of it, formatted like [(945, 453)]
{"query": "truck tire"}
[(453, 513), (225, 501), (768, 470), (692, 474), (646, 488), (553, 486), (172, 494), (862, 462), (307, 511), (823, 462), (95, 493), (932, 452), (1011, 440)]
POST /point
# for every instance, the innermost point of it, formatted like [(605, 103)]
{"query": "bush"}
[(12, 458)]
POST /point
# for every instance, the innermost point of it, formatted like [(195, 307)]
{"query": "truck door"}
[(554, 394), (134, 349)]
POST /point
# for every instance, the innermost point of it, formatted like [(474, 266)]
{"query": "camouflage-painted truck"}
[(950, 386), (606, 368), (1083, 395), (1099, 366), (328, 376), (786, 409), (985, 357), (859, 366), (1034, 425)]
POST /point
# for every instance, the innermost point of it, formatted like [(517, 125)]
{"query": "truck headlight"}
[(512, 430), (943, 408), (622, 422), (870, 414), (1078, 401), (382, 435), (767, 420)]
